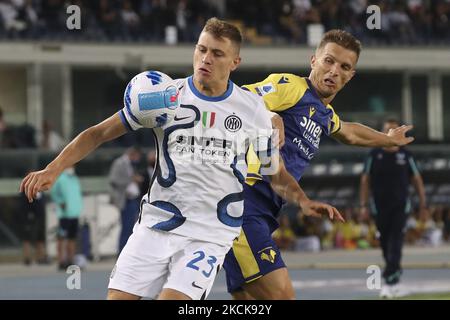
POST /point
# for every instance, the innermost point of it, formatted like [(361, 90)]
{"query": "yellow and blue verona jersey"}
[(305, 118)]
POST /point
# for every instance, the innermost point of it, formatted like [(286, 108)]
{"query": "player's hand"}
[(424, 214), (317, 209), (278, 124), (138, 178), (37, 181), (398, 135)]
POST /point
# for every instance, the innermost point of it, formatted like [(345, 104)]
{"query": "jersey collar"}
[(208, 98)]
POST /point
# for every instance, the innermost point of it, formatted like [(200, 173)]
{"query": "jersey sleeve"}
[(280, 91), (335, 123)]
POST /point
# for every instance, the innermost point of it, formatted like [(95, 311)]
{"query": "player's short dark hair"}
[(222, 29), (342, 38)]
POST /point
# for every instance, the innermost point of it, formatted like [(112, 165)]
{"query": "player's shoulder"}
[(280, 90), (245, 95), (291, 88), (288, 79), (284, 82)]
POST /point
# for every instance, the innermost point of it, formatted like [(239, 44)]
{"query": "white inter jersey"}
[(197, 190)]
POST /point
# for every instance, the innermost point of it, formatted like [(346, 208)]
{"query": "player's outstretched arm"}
[(77, 149), (364, 195), (287, 188), (360, 135)]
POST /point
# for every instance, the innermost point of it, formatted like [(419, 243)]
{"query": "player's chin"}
[(203, 78), (327, 92), (332, 90)]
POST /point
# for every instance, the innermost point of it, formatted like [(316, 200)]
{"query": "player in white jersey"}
[(193, 210), (201, 162)]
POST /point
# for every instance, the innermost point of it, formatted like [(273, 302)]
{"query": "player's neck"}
[(326, 101), (211, 90)]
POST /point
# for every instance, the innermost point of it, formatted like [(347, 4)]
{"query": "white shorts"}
[(152, 260)]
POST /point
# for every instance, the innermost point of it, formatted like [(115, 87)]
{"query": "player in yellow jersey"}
[(254, 266)]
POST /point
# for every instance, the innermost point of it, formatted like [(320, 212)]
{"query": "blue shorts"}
[(253, 255)]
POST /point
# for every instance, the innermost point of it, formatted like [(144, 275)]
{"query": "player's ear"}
[(351, 75), (236, 62), (313, 61)]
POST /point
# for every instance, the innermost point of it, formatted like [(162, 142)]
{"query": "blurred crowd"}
[(263, 21), (402, 21), (301, 233), (46, 138), (25, 136)]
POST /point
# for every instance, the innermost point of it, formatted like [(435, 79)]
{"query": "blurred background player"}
[(33, 225), (3, 127), (49, 139), (304, 106), (388, 172), (66, 194), (125, 183), (147, 174)]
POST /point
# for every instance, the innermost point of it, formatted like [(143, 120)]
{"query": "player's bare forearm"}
[(278, 125), (357, 134), (364, 196), (86, 142), (417, 182), (80, 147), (364, 190), (360, 135), (286, 186)]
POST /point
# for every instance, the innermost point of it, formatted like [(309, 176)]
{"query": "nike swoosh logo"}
[(196, 286), (182, 118)]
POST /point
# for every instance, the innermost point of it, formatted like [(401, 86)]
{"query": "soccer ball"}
[(151, 99)]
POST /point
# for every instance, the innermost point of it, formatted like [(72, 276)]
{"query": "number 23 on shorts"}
[(200, 255)]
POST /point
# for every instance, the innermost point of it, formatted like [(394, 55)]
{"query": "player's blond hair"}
[(222, 29)]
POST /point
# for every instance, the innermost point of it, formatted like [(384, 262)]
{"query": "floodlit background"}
[(57, 79)]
